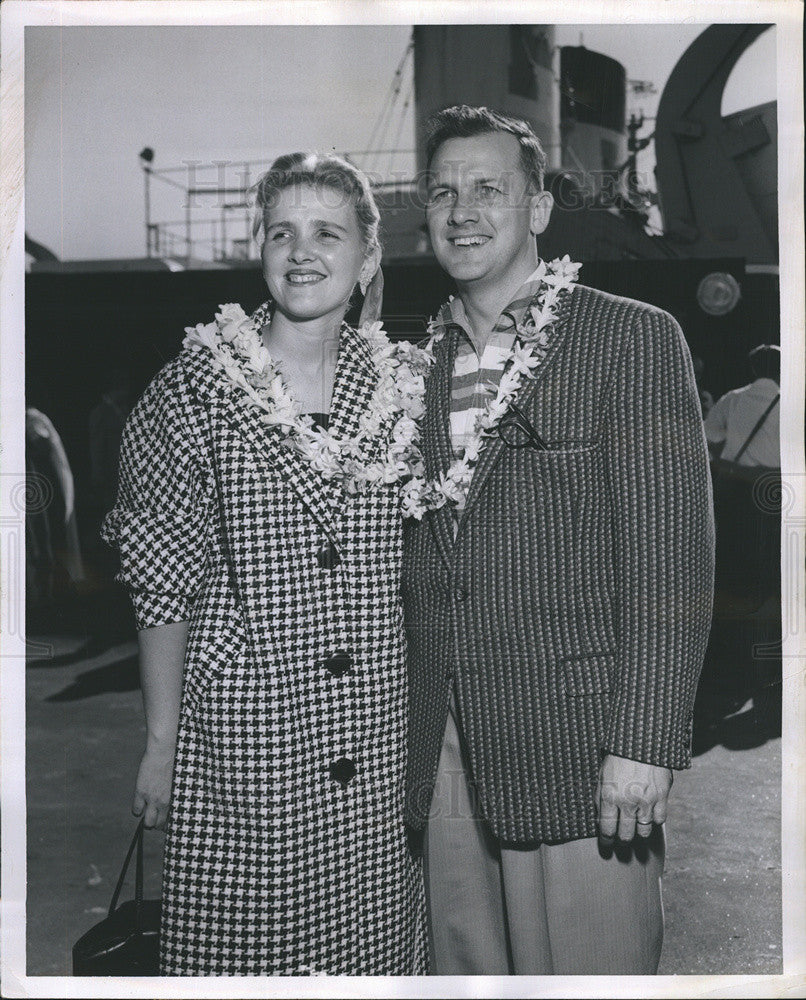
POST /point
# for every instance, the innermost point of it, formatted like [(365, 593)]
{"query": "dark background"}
[(80, 325)]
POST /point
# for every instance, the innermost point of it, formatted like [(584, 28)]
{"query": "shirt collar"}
[(452, 313)]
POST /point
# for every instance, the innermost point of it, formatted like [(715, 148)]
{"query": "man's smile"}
[(469, 241)]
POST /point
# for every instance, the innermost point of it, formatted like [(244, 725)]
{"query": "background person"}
[(743, 431), (744, 425)]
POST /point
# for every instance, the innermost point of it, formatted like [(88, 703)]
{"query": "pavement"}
[(85, 732)]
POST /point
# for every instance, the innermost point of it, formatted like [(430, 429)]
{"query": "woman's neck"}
[(307, 354), (308, 342)]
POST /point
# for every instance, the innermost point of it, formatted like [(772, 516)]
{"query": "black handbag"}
[(126, 941)]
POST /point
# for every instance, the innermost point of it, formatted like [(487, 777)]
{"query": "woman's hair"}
[(464, 122), (317, 170)]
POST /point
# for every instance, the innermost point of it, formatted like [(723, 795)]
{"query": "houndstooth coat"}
[(286, 850)]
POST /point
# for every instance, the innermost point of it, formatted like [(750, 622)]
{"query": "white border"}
[(15, 14)]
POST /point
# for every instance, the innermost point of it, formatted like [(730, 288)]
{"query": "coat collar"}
[(356, 379), (452, 312)]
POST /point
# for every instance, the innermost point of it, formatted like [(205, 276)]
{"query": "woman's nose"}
[(300, 251)]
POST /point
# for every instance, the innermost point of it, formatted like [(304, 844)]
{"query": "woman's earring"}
[(373, 299)]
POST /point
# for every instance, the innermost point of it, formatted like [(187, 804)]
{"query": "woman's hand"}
[(162, 658), (152, 795)]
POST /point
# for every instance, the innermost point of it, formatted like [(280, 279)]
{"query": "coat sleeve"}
[(660, 487), (160, 523)]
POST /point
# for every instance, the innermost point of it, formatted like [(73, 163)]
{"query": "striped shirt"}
[(476, 377)]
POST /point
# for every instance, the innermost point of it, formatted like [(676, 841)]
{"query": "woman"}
[(258, 524)]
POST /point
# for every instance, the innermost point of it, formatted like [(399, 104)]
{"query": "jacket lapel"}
[(491, 452), (436, 437)]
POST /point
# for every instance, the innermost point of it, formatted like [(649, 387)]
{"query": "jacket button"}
[(343, 770), (328, 556), (461, 594), (339, 663)]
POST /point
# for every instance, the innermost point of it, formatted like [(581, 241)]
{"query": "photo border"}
[(788, 16)]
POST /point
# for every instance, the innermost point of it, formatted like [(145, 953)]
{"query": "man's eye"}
[(490, 190), (440, 195), (278, 235)]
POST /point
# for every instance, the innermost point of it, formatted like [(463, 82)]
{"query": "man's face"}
[(481, 214)]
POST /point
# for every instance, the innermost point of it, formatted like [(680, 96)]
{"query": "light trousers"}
[(565, 909)]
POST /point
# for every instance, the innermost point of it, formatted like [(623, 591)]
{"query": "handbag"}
[(126, 941)]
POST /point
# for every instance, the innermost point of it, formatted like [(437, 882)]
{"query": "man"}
[(743, 427), (557, 605), (743, 432)]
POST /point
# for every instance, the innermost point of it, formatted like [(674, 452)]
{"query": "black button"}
[(339, 663), (328, 556), (343, 770), (461, 594)]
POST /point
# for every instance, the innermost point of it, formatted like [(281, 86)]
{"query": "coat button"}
[(328, 556), (343, 770), (461, 594), (339, 663)]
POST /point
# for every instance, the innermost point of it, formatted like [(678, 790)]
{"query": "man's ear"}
[(542, 204)]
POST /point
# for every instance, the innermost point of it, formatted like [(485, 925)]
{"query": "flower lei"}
[(236, 346), (525, 357)]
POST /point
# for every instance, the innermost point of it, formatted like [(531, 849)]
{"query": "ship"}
[(699, 239)]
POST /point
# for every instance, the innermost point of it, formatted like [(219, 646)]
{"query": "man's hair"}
[(463, 122), (765, 361)]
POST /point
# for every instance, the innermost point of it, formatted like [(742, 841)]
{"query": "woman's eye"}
[(326, 234)]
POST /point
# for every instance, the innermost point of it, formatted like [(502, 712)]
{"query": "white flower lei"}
[(235, 343), (526, 355)]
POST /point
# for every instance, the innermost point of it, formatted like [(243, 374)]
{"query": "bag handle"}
[(137, 841)]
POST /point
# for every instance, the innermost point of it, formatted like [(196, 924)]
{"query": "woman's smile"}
[(304, 277)]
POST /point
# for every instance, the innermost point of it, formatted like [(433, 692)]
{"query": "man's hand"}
[(630, 797)]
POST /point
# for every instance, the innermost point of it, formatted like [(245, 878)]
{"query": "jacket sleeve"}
[(660, 487), (160, 523)]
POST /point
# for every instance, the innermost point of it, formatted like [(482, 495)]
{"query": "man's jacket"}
[(571, 610)]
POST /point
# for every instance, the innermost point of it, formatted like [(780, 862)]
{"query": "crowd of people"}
[(420, 626)]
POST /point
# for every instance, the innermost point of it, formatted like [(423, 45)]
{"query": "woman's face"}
[(313, 252)]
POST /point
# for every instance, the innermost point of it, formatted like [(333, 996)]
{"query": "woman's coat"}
[(286, 850)]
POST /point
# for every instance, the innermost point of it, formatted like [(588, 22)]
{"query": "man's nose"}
[(464, 209)]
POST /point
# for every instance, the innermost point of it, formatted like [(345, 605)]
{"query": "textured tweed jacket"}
[(571, 610), (286, 850)]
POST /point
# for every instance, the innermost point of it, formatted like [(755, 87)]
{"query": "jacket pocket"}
[(589, 674)]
